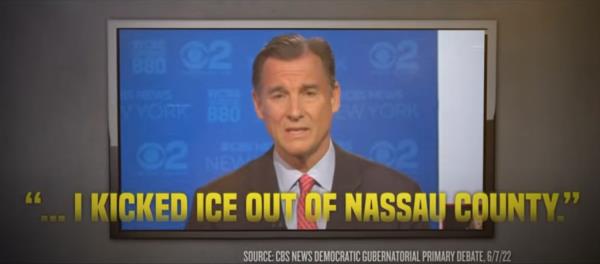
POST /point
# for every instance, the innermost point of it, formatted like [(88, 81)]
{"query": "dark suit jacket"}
[(352, 174)]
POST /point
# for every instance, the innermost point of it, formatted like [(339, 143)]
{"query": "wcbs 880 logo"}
[(149, 57)]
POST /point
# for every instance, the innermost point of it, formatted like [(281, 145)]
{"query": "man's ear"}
[(256, 101), (336, 94)]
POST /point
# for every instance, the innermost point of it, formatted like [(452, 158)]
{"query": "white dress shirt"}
[(287, 179)]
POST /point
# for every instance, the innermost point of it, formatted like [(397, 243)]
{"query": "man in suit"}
[(296, 95)]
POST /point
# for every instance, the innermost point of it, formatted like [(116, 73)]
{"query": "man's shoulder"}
[(239, 179), (375, 177)]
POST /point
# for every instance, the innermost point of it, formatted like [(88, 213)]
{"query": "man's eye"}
[(277, 95), (311, 93)]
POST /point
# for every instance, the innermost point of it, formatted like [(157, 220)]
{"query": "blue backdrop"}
[(186, 114)]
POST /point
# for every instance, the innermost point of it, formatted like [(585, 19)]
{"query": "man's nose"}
[(295, 111)]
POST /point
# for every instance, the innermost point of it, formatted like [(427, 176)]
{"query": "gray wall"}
[(53, 130)]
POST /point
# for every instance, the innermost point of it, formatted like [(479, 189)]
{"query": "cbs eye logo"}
[(197, 55), (386, 56), (153, 156)]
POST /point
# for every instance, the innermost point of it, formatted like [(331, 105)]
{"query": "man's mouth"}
[(296, 131)]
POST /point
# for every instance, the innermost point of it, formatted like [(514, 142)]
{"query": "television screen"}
[(415, 97)]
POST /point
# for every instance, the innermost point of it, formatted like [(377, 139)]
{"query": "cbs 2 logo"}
[(154, 156), (385, 55), (197, 55), (402, 155)]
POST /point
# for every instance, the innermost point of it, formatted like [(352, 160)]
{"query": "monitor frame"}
[(490, 64)]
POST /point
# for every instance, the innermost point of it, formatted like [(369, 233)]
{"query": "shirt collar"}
[(322, 171)]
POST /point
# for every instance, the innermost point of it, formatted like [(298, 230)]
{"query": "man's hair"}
[(292, 46)]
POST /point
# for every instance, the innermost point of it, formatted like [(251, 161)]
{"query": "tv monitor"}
[(416, 96)]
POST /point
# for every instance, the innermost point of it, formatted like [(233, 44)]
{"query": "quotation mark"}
[(569, 197), (575, 197), (36, 199)]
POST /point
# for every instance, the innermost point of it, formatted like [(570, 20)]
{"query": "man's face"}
[(296, 102)]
